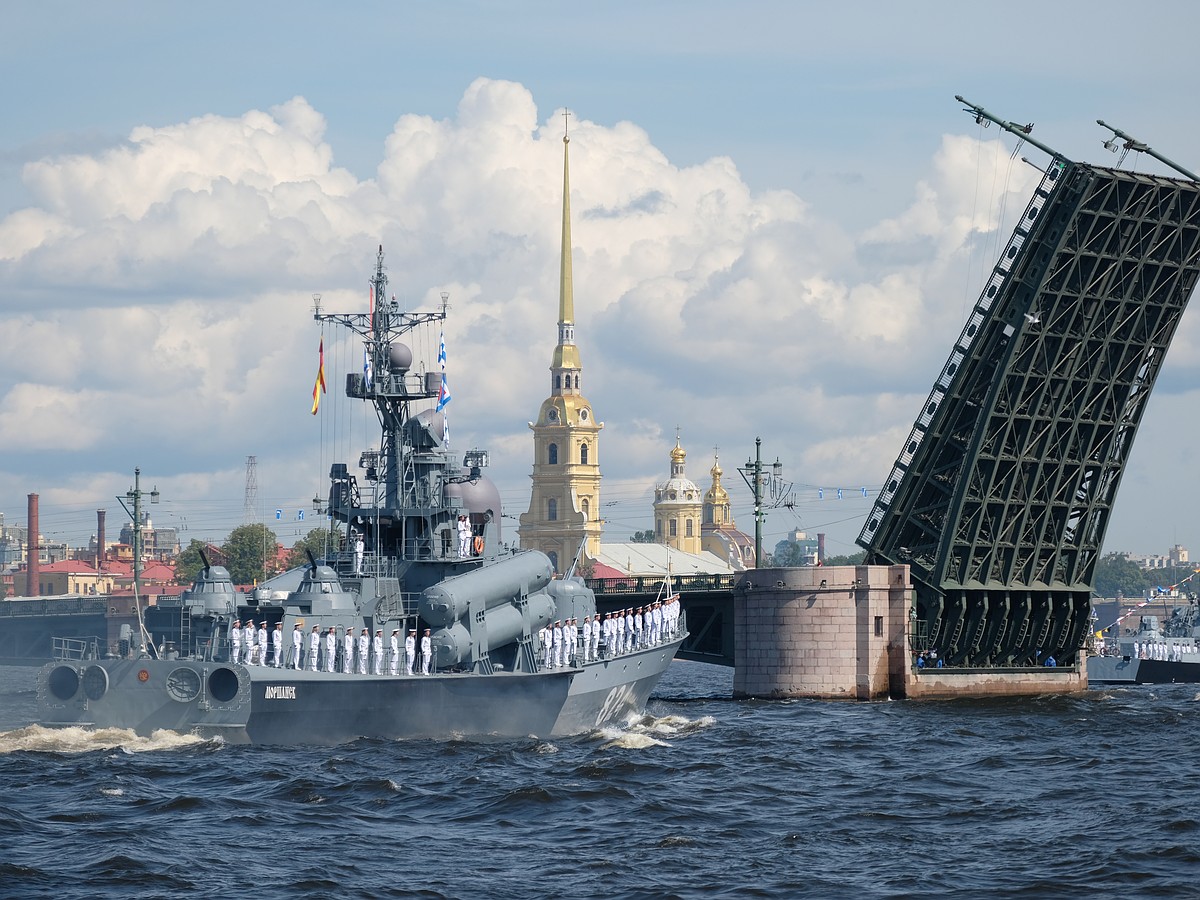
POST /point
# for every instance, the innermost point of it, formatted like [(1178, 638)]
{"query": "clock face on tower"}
[(552, 415)]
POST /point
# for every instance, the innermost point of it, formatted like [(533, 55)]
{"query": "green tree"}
[(787, 553), (854, 559), (1117, 573), (317, 541), (643, 537), (246, 549), (188, 564)]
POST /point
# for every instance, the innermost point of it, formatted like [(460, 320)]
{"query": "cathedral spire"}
[(565, 365)]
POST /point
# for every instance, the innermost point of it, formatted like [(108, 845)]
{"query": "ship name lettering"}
[(281, 692)]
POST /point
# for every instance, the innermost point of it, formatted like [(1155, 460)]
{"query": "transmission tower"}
[(250, 512)]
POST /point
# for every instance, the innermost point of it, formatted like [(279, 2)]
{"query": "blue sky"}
[(780, 218)]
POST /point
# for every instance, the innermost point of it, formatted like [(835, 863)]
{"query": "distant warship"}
[(1152, 654), (423, 555)]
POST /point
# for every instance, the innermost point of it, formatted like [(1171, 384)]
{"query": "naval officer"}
[(410, 650), (348, 652), (364, 647), (426, 652), (250, 651), (277, 643), (297, 644), (377, 647), (262, 642), (235, 641), (314, 647), (330, 648), (394, 662)]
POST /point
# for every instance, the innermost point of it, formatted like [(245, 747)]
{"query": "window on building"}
[(552, 510), (576, 382), (879, 626), (674, 528), (583, 453), (585, 506), (688, 528), (557, 382), (552, 454), (658, 527), (553, 559)]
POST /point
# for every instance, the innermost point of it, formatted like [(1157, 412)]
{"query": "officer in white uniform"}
[(358, 554), (235, 642), (364, 647), (426, 652), (314, 647), (262, 642), (394, 662), (250, 650), (410, 650), (377, 647), (595, 636), (587, 639), (348, 652), (464, 536), (558, 643), (277, 644), (330, 648), (297, 645)]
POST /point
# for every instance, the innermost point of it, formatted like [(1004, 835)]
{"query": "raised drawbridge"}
[(1001, 495)]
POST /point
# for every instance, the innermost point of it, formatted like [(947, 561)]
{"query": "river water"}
[(1087, 796)]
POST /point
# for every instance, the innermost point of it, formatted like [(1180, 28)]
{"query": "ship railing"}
[(75, 648)]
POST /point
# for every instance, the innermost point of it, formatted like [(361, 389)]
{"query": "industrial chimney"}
[(33, 569)]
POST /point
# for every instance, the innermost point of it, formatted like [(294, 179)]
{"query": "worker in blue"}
[(1051, 661)]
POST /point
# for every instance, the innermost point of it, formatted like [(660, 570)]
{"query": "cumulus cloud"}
[(161, 295)]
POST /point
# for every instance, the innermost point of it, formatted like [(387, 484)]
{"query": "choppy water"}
[(1091, 796)]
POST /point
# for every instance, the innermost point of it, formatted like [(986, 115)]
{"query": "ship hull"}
[(263, 705), (1127, 670)]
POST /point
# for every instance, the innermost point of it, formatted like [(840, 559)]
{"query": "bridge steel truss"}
[(1001, 496)]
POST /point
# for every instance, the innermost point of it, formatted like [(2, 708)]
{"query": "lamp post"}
[(770, 488)]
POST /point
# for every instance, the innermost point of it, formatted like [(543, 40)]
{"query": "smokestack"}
[(99, 540), (33, 569), (820, 549)]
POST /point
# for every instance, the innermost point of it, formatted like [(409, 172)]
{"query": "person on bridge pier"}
[(377, 649), (235, 642), (277, 644), (394, 662), (410, 651), (364, 649), (297, 645)]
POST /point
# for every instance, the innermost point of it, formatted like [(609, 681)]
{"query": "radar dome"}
[(479, 497), (400, 357)]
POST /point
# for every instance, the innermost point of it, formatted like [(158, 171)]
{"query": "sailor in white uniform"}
[(558, 644), (277, 644), (330, 648), (587, 639), (348, 652), (410, 650), (572, 640), (595, 637), (262, 642), (426, 652), (364, 647), (628, 629), (358, 554), (377, 648), (546, 636), (235, 641), (249, 637), (394, 662), (314, 648), (297, 645), (464, 536)]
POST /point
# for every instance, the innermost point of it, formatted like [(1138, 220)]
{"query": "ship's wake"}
[(74, 739), (646, 730)]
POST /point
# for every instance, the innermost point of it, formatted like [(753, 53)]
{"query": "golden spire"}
[(566, 356)]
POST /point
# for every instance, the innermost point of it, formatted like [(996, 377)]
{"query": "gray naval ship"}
[(483, 606), (1153, 654)]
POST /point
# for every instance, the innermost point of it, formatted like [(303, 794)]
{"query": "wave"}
[(75, 739)]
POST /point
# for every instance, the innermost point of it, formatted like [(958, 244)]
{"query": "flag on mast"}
[(319, 386), (443, 392)]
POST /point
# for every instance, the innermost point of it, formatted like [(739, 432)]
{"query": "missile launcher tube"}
[(505, 624), (449, 600)]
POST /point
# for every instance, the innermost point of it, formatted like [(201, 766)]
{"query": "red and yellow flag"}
[(319, 387)]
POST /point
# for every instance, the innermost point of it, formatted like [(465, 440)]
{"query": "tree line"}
[(251, 554)]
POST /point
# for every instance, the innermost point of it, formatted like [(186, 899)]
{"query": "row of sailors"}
[(619, 632), (248, 646), (1162, 650)]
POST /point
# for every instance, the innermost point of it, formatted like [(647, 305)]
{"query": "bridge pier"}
[(843, 632)]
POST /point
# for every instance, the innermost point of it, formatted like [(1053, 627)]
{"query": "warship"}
[(422, 563), (1151, 654)]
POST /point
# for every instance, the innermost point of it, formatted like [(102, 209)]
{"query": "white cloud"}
[(163, 291)]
